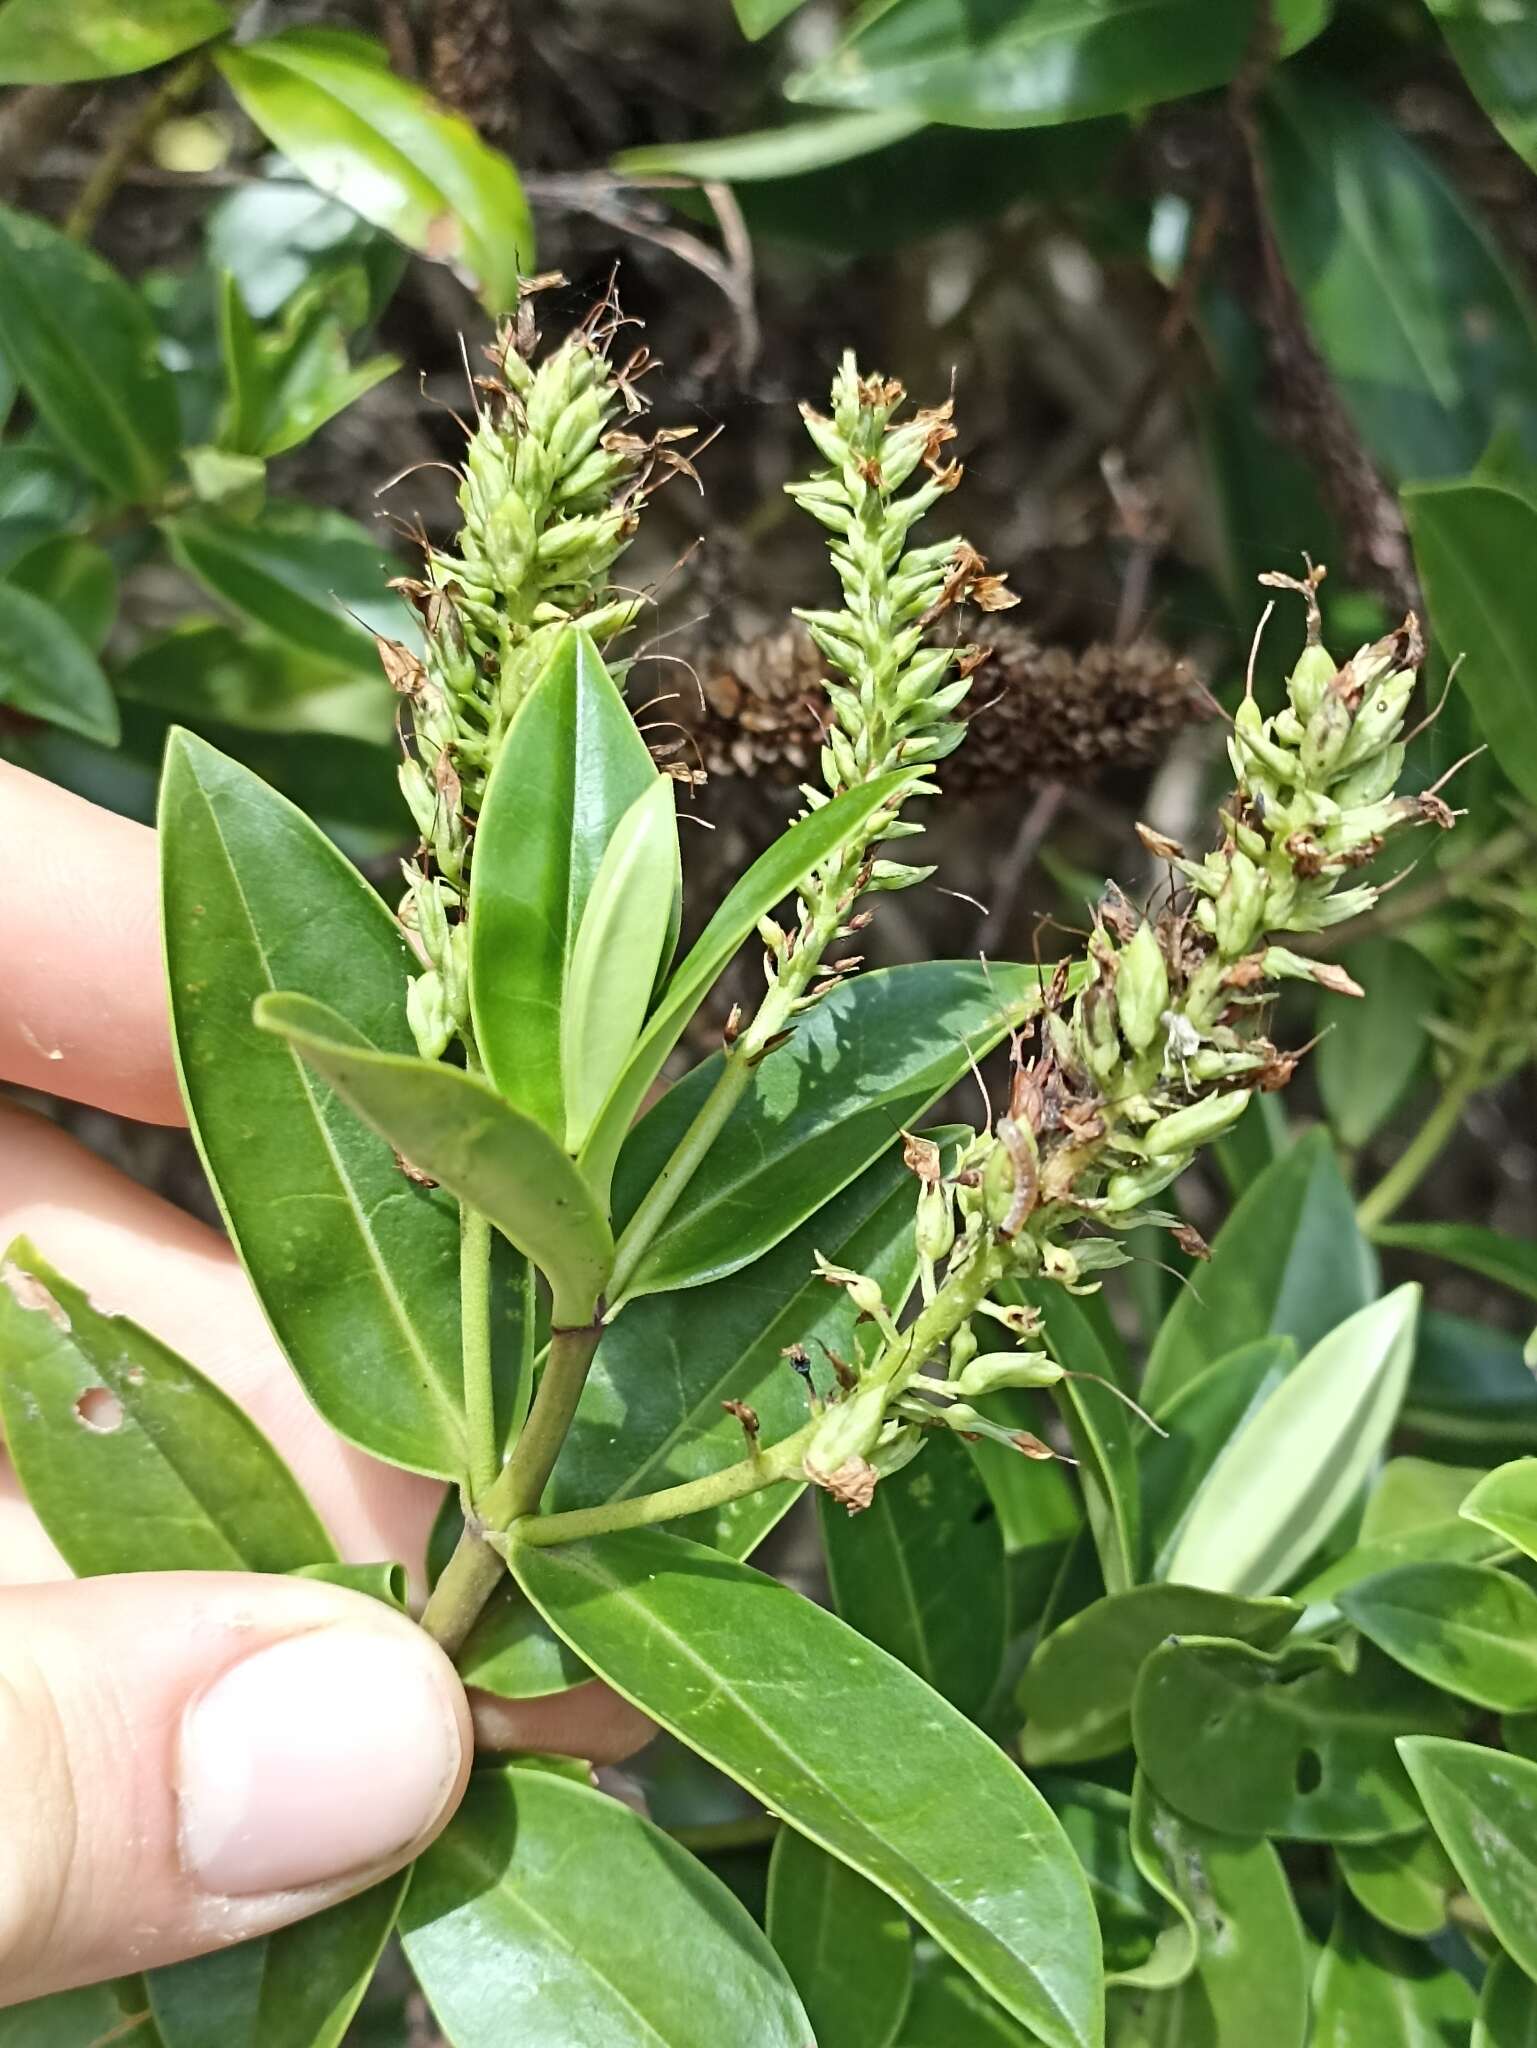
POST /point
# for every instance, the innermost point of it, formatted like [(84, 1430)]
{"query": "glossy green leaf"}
[(43, 43), (809, 841), (548, 1912), (1287, 1744), (39, 493), (848, 1949), (131, 1459), (390, 1583), (921, 1573), (356, 1266), (48, 671), (1284, 1481), (651, 1415), (1426, 336), (327, 100), (616, 954), (868, 1062), (298, 1988), (1097, 1821), (83, 348), (1249, 1982), (1471, 1385), (1412, 1513), (312, 579), (572, 765), (1077, 1689), (283, 384), (77, 578), (810, 145), (849, 1747), (1483, 1805), (1464, 1627), (1506, 1503), (948, 2010), (757, 17), (1007, 65), (513, 1652), (1373, 1986), (1375, 1046), (1495, 52), (1405, 1883), (1288, 1262), (458, 1131), (1507, 2010), (1512, 1261), (1201, 1419), (1106, 1433), (92, 2017)]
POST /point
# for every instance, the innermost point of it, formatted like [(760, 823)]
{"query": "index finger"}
[(83, 1009)]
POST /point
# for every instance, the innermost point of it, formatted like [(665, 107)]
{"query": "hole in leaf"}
[(1310, 1770), (99, 1409), (984, 1511)]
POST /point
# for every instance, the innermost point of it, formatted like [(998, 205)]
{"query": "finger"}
[(194, 1759), (83, 1011)]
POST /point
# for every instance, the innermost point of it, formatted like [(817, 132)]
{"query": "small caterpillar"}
[(1027, 1185)]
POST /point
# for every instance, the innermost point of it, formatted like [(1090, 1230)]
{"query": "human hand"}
[(191, 1759)]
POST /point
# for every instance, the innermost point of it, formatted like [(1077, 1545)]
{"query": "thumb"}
[(191, 1759)]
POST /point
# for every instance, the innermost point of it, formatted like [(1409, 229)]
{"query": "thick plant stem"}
[(475, 1343), (469, 1579), (1422, 1151)]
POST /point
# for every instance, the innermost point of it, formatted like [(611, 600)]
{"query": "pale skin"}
[(176, 1775)]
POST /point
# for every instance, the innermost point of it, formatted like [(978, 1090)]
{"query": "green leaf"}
[(390, 1583), (1201, 1419), (356, 1266), (460, 1132), (757, 17), (1507, 2011), (1483, 1805), (1096, 1820), (1405, 1884), (1495, 53), (948, 2009), (548, 1912), (1376, 1046), (1512, 1261), (1412, 1513), (77, 578), (1463, 1627), (280, 386), (1284, 1481), (313, 579), (894, 1572), (1471, 542), (513, 1652), (83, 348), (1288, 1262), (205, 672), (651, 1415), (868, 1063), (1103, 1429), (786, 864), (92, 2017), (298, 1988), (1077, 1689), (39, 493), (571, 767), (326, 99), (1007, 65), (848, 1949), (42, 43), (1471, 1385), (1250, 1977), (48, 672), (132, 1461), (1373, 1986), (1289, 1744), (1426, 336), (1506, 1502), (849, 1747), (809, 145)]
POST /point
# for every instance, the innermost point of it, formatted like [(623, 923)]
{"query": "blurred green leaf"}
[(849, 1747), (275, 235), (1426, 335), (1506, 1502), (1483, 1805), (1405, 1883), (1496, 51), (1507, 2010), (547, 1911), (1374, 1047), (297, 1988), (1289, 1261), (131, 1459), (1104, 1430), (1470, 1385), (1279, 1487), (53, 42), (48, 671), (1290, 1743), (283, 384), (39, 493), (311, 578), (76, 578), (1077, 1689), (894, 1571), (757, 17), (848, 1949), (327, 100), (1018, 63), (1464, 1627), (87, 2018), (816, 144), (204, 670), (1472, 545), (1201, 1420), (1510, 1260), (84, 350), (1373, 1986)]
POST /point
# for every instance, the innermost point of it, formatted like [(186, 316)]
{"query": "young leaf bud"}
[(997, 1369), (1195, 1125), (1141, 988), (1309, 679)]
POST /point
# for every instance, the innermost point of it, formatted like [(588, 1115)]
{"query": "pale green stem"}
[(639, 1234), (1423, 1149), (475, 1347)]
